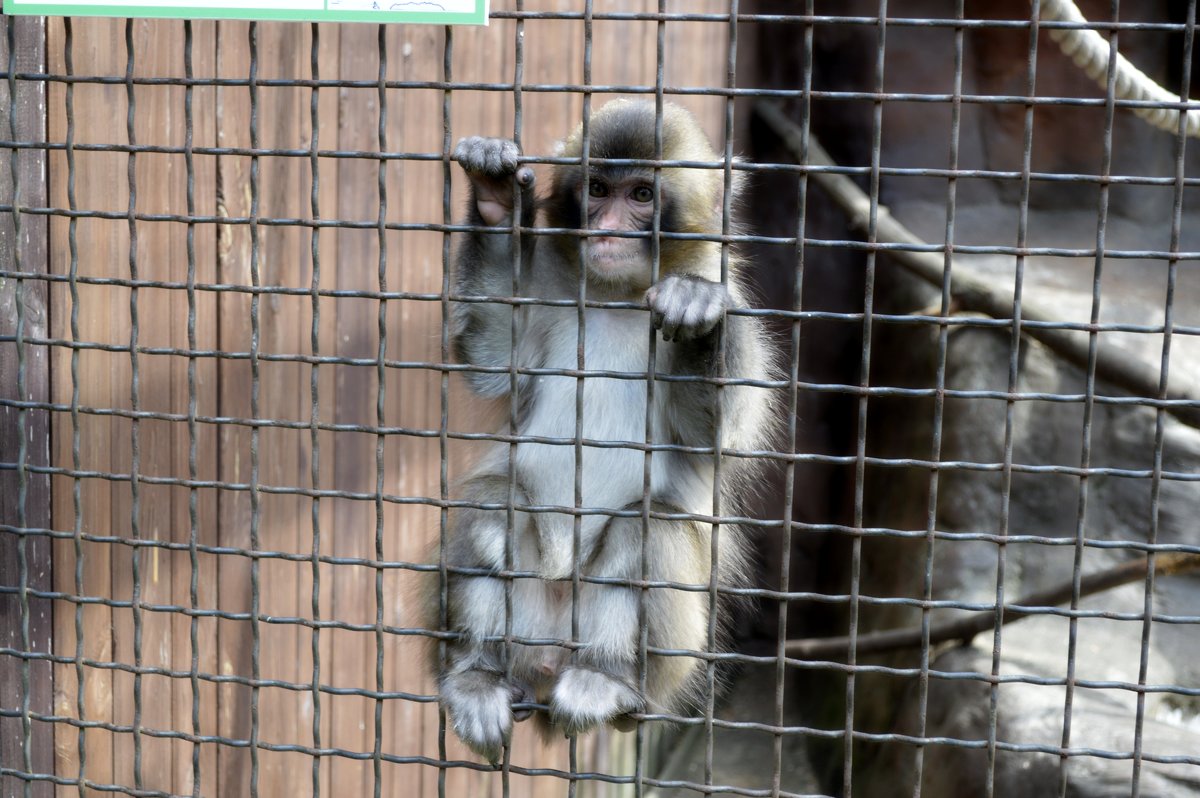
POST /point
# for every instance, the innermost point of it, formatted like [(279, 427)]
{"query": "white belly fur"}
[(613, 410)]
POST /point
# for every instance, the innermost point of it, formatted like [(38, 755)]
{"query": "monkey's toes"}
[(584, 698), (624, 723), (487, 156), (521, 695), (479, 704)]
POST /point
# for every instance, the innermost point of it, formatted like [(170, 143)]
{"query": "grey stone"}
[(743, 758), (1061, 213), (1032, 715), (1045, 504)]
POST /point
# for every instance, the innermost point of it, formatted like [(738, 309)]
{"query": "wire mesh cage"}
[(233, 431)]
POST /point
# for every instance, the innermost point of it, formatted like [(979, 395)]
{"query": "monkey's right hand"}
[(491, 165), (686, 307)]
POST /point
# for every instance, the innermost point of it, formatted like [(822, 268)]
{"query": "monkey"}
[(597, 679)]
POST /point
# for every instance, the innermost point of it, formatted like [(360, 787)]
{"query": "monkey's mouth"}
[(608, 252)]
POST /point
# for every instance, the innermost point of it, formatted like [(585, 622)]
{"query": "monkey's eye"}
[(597, 189), (643, 194)]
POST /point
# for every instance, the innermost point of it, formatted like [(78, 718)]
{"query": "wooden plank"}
[(328, 171), (290, 187), (285, 454), (25, 623), (353, 661), (233, 268), (121, 440), (161, 510), (284, 391), (413, 397), (179, 564), (98, 50)]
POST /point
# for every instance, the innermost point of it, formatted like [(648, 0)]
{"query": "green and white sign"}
[(436, 12)]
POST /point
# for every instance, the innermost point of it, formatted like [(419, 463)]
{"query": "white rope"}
[(1089, 50)]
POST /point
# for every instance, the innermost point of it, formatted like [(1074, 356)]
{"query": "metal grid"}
[(19, 583)]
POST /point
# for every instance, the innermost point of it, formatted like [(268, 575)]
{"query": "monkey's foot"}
[(584, 698), (479, 704), (686, 307)]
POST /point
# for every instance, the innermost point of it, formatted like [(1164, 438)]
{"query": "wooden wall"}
[(26, 682), (176, 503)]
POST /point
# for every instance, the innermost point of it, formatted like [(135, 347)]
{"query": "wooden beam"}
[(26, 625)]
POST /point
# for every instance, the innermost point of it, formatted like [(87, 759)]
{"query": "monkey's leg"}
[(678, 552), (473, 688), (601, 683)]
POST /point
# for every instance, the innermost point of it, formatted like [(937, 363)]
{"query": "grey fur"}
[(479, 703), (686, 307), (596, 682), (584, 698)]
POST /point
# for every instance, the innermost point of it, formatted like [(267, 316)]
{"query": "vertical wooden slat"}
[(206, 404), (285, 323), (285, 522), (328, 171), (99, 183), (233, 268), (353, 655), (25, 622), (162, 512), (120, 439), (414, 264)]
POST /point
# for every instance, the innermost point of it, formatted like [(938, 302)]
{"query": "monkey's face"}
[(619, 203)]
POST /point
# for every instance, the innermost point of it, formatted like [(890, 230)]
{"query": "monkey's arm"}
[(482, 331), (689, 310)]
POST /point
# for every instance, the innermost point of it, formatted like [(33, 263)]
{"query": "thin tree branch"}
[(964, 629), (968, 290)]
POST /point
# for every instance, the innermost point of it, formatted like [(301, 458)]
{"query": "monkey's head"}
[(621, 198)]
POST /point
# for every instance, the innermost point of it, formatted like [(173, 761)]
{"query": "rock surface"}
[(1039, 508), (1042, 512), (743, 758)]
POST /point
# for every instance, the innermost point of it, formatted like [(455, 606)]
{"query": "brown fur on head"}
[(692, 198)]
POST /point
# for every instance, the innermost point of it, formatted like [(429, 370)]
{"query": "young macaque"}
[(598, 680)]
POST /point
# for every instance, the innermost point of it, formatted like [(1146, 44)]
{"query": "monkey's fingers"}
[(702, 315), (624, 723), (525, 177), (652, 302), (521, 695), (493, 158), (686, 307), (669, 301)]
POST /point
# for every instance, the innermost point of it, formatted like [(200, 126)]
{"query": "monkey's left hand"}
[(686, 307)]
